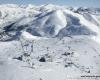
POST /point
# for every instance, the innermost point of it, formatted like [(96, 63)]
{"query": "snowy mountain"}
[(48, 42), (49, 20)]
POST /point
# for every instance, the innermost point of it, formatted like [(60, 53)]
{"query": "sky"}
[(77, 3)]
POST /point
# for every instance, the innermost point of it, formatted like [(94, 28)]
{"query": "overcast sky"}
[(85, 3)]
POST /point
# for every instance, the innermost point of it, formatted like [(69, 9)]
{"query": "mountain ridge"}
[(49, 20)]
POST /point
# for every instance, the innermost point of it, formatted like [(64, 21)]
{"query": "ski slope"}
[(49, 42)]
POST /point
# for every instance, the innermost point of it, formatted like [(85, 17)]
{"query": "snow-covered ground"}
[(49, 42)]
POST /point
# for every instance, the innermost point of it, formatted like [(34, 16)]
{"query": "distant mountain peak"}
[(49, 20)]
